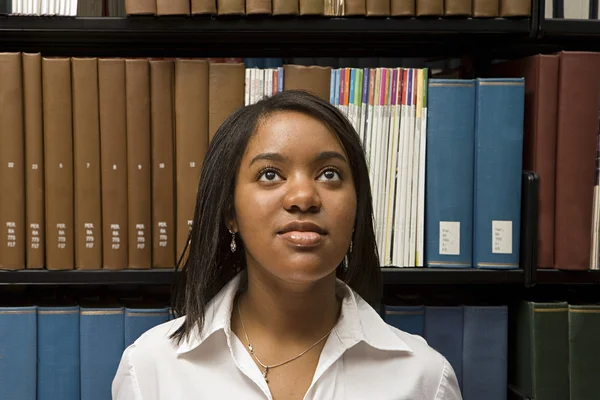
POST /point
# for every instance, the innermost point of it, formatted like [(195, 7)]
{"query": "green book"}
[(542, 350), (584, 351)]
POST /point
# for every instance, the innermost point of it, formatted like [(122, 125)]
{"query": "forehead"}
[(293, 133)]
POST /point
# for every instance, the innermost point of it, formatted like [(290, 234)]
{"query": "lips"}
[(302, 234)]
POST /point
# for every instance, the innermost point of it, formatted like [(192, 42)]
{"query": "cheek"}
[(254, 209)]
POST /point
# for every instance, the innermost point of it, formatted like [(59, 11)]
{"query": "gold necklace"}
[(266, 368)]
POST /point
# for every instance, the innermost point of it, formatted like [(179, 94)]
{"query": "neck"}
[(289, 311)]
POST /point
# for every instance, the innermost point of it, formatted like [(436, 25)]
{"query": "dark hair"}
[(210, 264)]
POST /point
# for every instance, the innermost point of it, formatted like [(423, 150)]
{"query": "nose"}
[(302, 195)]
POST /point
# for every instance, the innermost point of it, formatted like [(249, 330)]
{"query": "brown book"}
[(191, 121), (113, 153), (313, 79), (139, 167), (486, 8), (539, 147), (200, 7), (577, 133), (312, 7), (457, 8), (12, 174), (403, 8), (515, 8), (378, 8), (355, 7), (226, 93), (34, 161), (58, 159), (285, 7), (86, 152), (230, 7), (258, 7), (139, 7), (163, 183), (427, 8), (89, 8), (172, 7)]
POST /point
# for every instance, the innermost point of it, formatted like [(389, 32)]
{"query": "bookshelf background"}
[(475, 41)]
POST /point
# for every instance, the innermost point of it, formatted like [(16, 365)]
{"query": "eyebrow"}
[(325, 155)]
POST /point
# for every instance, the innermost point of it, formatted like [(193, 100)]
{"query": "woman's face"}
[(295, 200)]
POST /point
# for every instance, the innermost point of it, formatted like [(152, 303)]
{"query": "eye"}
[(330, 174), (269, 175)]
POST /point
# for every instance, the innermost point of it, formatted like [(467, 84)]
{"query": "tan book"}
[(378, 8), (458, 8), (258, 7), (355, 7), (58, 159), (200, 7), (427, 8), (226, 93), (163, 185), (285, 7), (139, 167), (486, 8), (34, 162), (86, 152), (113, 153), (230, 7), (172, 7), (313, 79), (191, 121), (515, 8), (139, 7), (403, 8), (12, 174), (312, 7)]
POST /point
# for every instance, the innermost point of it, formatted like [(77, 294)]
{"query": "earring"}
[(350, 251), (232, 246)]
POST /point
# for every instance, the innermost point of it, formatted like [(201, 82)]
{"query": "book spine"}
[(312, 7), (410, 319), (138, 321), (258, 7), (378, 8), (102, 339), (285, 7), (485, 351), (113, 152), (199, 7), (225, 93), (497, 174), (139, 176), (402, 8), (584, 330), (139, 7), (515, 8), (486, 8), (86, 146), (58, 158), (231, 7), (430, 8), (449, 159), (58, 353), (454, 8), (444, 332), (172, 7), (12, 174), (163, 169), (34, 161), (18, 368)]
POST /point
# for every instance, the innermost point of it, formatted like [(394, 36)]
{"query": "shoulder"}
[(155, 343), (432, 367)]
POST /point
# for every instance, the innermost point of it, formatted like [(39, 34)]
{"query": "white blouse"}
[(363, 358)]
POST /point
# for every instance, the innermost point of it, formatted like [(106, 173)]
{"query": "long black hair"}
[(210, 264)]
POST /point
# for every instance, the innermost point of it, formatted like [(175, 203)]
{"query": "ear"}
[(230, 220)]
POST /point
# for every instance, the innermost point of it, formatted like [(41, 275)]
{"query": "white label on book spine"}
[(502, 237), (449, 238)]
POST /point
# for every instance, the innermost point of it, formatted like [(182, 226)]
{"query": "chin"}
[(303, 270)]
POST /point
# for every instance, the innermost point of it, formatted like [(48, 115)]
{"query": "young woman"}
[(282, 271)]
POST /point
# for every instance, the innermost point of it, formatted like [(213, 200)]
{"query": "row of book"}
[(67, 353), (474, 340), (103, 157), (370, 8), (571, 9), (561, 146)]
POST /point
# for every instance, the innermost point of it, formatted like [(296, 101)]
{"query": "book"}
[(497, 191)]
